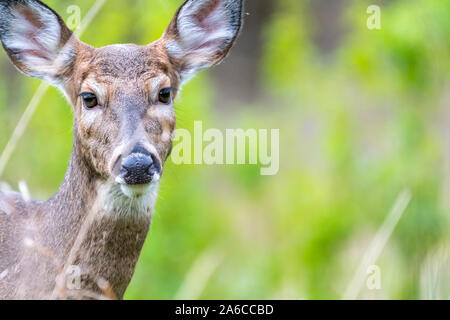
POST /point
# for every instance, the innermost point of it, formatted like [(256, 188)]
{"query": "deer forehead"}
[(129, 62), (126, 70)]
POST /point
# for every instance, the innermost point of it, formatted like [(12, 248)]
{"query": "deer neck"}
[(100, 229)]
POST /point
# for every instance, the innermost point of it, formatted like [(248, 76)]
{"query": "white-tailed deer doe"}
[(124, 122)]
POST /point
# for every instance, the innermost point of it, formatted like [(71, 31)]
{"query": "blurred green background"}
[(363, 115)]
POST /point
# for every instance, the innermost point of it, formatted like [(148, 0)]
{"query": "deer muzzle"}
[(139, 169)]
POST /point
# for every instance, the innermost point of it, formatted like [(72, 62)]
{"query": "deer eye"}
[(89, 100), (165, 95)]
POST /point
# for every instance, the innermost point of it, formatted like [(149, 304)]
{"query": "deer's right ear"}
[(37, 40), (201, 34)]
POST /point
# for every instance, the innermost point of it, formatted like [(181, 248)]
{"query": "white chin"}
[(137, 191), (127, 201)]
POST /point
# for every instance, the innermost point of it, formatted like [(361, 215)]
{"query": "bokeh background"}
[(363, 115)]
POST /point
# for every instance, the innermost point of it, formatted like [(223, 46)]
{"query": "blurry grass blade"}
[(198, 276), (377, 245), (92, 13), (23, 188), (21, 126), (435, 275)]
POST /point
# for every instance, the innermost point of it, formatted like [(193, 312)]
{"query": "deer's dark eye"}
[(165, 95), (89, 100)]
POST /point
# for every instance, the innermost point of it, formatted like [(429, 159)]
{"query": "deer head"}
[(122, 95)]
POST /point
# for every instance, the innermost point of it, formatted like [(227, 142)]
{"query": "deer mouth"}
[(134, 191)]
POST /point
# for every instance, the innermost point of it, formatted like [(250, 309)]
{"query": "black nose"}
[(139, 168)]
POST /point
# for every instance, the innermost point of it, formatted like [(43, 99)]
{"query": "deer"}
[(122, 97)]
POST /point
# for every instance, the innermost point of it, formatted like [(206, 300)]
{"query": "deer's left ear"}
[(201, 34), (36, 39)]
